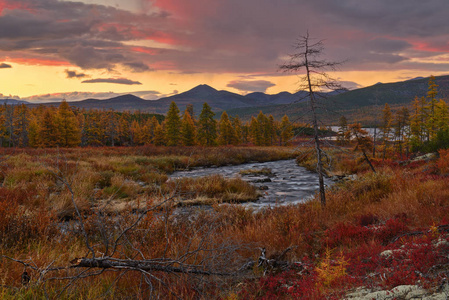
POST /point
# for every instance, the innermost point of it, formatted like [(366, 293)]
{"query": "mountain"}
[(356, 101), (218, 100), (360, 105), (392, 93), (12, 102)]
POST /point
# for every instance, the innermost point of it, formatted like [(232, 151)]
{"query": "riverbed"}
[(288, 183)]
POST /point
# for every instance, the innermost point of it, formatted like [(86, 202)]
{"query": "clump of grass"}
[(263, 171), (210, 189)]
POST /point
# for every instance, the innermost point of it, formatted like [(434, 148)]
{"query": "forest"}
[(64, 126)]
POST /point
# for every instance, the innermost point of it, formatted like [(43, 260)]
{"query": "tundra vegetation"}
[(105, 222)]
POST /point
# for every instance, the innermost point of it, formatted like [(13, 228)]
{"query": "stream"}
[(288, 183)]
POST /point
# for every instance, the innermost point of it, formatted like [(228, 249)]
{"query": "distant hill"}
[(12, 102), (352, 102), (361, 104), (218, 100), (392, 93)]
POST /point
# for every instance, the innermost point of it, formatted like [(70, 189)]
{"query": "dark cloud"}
[(251, 85), (137, 66), (74, 74), (5, 66), (112, 80), (231, 36)]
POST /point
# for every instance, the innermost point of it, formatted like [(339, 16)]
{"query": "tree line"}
[(423, 126), (65, 126)]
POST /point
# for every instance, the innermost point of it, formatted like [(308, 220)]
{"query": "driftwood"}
[(142, 265), (441, 229)]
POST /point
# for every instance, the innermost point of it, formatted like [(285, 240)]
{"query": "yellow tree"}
[(159, 135), (172, 125), (442, 115), (226, 134), (238, 130), (431, 122), (48, 133), (187, 129), (286, 131), (207, 127), (254, 132), (21, 123), (68, 126)]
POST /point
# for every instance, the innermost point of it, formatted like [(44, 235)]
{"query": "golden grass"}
[(30, 202)]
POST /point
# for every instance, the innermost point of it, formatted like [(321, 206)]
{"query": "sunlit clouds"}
[(233, 44)]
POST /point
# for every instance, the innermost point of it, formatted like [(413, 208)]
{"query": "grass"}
[(256, 172), (338, 245)]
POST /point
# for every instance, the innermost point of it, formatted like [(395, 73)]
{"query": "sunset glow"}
[(170, 46)]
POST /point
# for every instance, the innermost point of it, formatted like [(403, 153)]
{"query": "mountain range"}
[(278, 104)]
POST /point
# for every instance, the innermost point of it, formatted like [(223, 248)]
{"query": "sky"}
[(77, 49)]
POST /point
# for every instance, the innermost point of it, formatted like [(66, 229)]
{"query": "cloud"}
[(251, 85), (136, 66), (5, 66), (112, 80), (350, 85), (74, 74), (232, 36)]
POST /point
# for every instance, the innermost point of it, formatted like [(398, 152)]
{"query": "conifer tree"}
[(21, 123), (159, 135), (173, 125), (226, 134), (187, 129), (431, 122), (418, 121), (442, 115), (69, 130), (238, 130), (254, 131), (207, 127), (48, 133), (286, 131), (342, 131)]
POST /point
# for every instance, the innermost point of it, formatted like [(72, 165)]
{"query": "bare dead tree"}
[(316, 82)]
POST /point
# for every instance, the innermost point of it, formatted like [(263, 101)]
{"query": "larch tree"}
[(207, 127), (286, 133), (401, 125), (69, 130), (315, 81), (255, 132), (342, 136), (187, 129), (226, 134), (172, 125), (159, 135), (432, 102), (238, 130), (21, 124), (48, 133)]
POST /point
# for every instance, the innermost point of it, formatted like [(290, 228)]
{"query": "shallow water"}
[(289, 183)]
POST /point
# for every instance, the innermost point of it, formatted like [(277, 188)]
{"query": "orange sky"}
[(163, 47)]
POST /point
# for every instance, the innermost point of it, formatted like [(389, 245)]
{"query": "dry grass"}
[(32, 198)]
